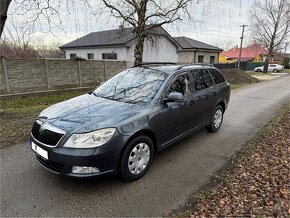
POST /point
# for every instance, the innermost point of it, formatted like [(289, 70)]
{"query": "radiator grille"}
[(45, 136)]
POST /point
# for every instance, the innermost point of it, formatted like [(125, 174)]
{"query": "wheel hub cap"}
[(218, 118), (139, 158)]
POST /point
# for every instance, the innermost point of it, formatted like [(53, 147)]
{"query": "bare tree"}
[(144, 15), (16, 41), (4, 5), (34, 10), (271, 25)]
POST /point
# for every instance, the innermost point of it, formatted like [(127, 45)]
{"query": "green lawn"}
[(34, 104), (18, 114), (235, 86)]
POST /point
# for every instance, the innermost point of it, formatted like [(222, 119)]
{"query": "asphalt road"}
[(28, 190)]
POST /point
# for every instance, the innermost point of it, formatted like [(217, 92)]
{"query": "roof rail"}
[(197, 64), (154, 63)]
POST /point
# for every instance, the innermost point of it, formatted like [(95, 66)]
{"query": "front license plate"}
[(43, 153)]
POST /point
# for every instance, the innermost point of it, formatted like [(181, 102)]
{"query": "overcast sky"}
[(214, 22)]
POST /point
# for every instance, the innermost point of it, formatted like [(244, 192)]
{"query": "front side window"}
[(135, 85), (112, 56), (202, 79), (181, 85), (217, 76)]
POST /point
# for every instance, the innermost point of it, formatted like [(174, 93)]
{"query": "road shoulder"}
[(253, 182)]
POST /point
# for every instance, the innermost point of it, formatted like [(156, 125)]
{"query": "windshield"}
[(132, 86)]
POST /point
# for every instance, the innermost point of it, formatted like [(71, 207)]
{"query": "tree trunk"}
[(266, 64), (4, 4), (140, 32), (138, 52)]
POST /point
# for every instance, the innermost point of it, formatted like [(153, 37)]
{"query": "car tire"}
[(137, 158), (275, 71), (216, 119)]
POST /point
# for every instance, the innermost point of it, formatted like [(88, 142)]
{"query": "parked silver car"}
[(271, 68)]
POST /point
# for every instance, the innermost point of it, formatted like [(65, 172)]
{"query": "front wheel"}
[(137, 158), (216, 119), (275, 71)]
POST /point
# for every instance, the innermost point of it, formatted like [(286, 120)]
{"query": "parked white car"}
[(272, 67)]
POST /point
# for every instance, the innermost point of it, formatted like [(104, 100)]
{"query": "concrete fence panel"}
[(92, 72), (25, 76), (3, 88), (31, 75), (63, 74)]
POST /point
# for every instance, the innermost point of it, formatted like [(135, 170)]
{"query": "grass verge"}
[(254, 183), (18, 114), (236, 86)]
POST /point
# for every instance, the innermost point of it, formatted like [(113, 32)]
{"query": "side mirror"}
[(174, 97)]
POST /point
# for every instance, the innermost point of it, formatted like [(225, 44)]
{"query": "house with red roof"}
[(254, 53)]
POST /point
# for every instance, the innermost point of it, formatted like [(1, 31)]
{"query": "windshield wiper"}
[(104, 97)]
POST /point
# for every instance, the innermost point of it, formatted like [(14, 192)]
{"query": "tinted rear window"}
[(217, 76), (202, 79)]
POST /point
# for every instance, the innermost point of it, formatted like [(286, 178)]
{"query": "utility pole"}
[(241, 45)]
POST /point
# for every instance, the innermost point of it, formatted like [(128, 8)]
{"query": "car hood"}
[(88, 112)]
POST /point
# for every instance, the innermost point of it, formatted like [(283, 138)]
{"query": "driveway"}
[(177, 172)]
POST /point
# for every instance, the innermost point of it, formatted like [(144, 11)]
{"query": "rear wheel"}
[(216, 119), (137, 158)]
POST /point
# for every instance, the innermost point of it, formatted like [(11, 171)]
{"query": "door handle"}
[(215, 92), (191, 102)]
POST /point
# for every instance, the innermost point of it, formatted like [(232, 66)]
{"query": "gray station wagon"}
[(122, 124)]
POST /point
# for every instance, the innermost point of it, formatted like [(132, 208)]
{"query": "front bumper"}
[(61, 160)]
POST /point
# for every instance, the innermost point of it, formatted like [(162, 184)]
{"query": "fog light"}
[(84, 170)]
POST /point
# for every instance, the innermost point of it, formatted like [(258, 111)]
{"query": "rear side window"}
[(181, 84), (217, 76), (202, 79)]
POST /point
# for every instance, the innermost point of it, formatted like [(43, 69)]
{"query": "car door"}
[(204, 96), (174, 120), (271, 67)]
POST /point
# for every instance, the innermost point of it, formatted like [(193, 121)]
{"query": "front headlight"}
[(90, 140)]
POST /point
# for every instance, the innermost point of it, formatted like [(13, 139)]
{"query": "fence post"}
[(79, 73), (47, 74), (105, 70), (6, 75)]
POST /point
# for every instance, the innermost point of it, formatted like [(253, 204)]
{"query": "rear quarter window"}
[(217, 76)]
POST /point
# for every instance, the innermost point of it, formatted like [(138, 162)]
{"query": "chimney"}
[(121, 27), (236, 47)]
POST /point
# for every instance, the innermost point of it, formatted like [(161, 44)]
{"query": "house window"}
[(90, 55), (73, 55), (212, 59), (109, 56), (200, 58)]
